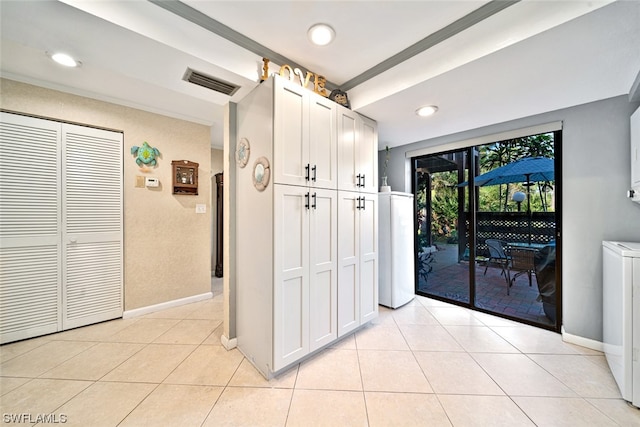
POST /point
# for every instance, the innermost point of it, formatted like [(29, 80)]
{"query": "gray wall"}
[(595, 176)]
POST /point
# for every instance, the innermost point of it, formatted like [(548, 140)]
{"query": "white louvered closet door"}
[(60, 226), (29, 227), (92, 225)]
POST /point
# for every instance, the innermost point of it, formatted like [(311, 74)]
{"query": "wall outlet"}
[(201, 209)]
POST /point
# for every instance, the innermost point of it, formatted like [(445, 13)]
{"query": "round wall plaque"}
[(242, 152)]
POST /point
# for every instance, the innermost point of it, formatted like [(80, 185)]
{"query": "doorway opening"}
[(488, 228)]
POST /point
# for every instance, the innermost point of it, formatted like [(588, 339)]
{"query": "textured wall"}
[(166, 244)]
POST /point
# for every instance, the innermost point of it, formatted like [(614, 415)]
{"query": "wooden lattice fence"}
[(512, 227)]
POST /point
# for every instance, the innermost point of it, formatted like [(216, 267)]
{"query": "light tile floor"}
[(427, 364)]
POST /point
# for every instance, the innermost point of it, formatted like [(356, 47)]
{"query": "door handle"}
[(358, 205), (314, 205), (363, 181), (358, 182), (314, 170), (306, 200), (73, 240), (364, 203), (306, 172)]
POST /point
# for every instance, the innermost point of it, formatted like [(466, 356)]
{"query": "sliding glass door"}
[(487, 228)]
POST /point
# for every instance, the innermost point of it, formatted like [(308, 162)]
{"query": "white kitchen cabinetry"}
[(287, 297), (304, 137), (358, 260), (357, 152), (635, 150), (305, 283)]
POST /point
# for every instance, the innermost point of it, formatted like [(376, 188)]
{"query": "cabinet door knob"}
[(364, 203), (314, 170), (306, 200), (363, 182), (358, 205), (306, 172), (314, 205), (73, 240), (358, 181)]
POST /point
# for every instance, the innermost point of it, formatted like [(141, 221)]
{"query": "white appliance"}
[(621, 315), (396, 277)]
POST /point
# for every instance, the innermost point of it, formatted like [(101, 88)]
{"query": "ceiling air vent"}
[(197, 78)]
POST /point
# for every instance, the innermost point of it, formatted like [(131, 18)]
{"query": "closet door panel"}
[(369, 258), (29, 227), (291, 134), (92, 225), (348, 265), (291, 275), (322, 146), (323, 275)]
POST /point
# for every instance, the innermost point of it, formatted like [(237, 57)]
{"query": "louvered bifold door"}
[(29, 227), (92, 225)]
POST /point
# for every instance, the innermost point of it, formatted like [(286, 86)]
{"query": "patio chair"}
[(521, 260), (496, 254)]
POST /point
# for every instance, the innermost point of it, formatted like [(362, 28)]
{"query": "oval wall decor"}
[(242, 152), (261, 173)]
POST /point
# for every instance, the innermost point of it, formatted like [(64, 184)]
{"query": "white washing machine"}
[(621, 315)]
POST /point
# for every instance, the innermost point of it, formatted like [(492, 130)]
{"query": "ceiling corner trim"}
[(198, 18), (478, 15)]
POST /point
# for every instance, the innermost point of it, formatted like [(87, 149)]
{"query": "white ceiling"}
[(532, 57)]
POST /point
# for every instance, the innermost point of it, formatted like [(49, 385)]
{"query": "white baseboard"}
[(582, 342), (164, 305), (227, 343)]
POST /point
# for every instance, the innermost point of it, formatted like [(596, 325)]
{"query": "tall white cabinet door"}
[(368, 257), (323, 275), (368, 155), (322, 143), (348, 262), (291, 134), (29, 227), (348, 154), (291, 271), (92, 225)]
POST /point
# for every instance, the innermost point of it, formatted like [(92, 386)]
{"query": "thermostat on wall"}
[(151, 182)]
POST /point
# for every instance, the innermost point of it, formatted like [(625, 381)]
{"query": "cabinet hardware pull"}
[(314, 205), (363, 182), (314, 170), (358, 205), (306, 200), (306, 172), (358, 178), (364, 203)]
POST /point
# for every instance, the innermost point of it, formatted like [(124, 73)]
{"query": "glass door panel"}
[(442, 250)]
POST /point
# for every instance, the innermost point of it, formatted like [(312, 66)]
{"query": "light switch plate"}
[(139, 181), (201, 208)]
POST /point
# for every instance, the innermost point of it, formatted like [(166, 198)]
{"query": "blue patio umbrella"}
[(526, 170)]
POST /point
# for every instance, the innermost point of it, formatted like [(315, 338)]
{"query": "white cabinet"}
[(357, 260), (287, 280), (357, 152), (305, 282), (304, 137)]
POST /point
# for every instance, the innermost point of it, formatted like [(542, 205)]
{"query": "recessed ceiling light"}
[(321, 34), (66, 60), (427, 110)]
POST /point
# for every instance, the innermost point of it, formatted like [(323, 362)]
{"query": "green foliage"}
[(443, 191)]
